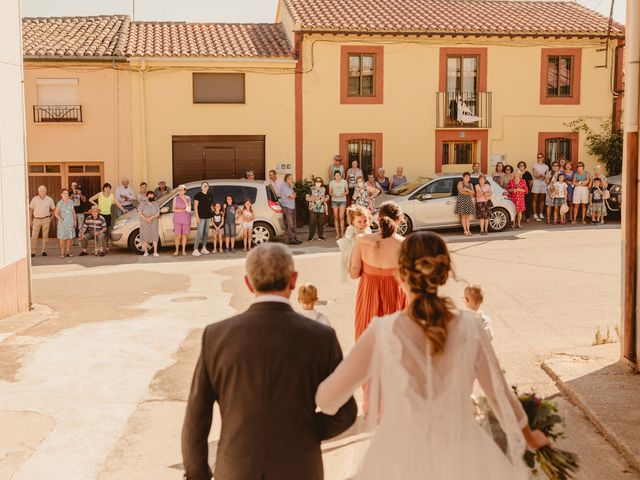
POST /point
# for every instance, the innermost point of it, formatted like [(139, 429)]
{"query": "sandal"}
[(175, 254)]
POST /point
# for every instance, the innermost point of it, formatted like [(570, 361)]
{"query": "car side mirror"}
[(164, 210), (425, 196)]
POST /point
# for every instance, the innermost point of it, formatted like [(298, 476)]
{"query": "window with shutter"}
[(218, 88)]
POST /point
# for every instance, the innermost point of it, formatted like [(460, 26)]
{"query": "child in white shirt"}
[(559, 191), (308, 298), (359, 220), (473, 298)]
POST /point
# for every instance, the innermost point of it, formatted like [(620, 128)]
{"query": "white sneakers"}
[(204, 251), (537, 218), (196, 253), (145, 254), (156, 255)]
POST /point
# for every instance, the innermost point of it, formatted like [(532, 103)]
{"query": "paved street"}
[(93, 383)]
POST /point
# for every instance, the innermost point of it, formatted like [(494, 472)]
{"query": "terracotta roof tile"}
[(164, 39), (102, 36), (105, 36), (493, 17)]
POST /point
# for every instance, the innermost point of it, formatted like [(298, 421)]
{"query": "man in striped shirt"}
[(94, 228)]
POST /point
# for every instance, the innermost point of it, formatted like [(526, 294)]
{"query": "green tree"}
[(606, 145)]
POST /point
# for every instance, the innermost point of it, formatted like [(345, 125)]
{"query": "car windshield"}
[(408, 188)]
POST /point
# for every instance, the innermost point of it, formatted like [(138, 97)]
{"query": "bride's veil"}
[(429, 396)]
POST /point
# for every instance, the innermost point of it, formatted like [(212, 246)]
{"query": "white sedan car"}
[(429, 203)]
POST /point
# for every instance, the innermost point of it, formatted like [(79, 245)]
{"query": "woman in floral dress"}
[(66, 216), (518, 189), (149, 212), (464, 204), (361, 195)]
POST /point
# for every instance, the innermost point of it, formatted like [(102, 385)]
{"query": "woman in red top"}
[(517, 187)]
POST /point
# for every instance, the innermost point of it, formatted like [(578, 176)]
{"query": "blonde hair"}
[(357, 211), (475, 293), (424, 264), (307, 294)]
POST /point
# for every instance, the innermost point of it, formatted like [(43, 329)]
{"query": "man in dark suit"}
[(263, 367)]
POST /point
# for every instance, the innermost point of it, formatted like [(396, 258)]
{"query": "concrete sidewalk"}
[(605, 390)]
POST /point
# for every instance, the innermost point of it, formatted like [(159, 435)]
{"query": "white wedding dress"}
[(427, 428)]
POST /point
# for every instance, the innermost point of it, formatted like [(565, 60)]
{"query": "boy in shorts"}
[(596, 202)]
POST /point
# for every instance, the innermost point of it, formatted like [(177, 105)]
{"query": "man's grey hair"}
[(269, 267)]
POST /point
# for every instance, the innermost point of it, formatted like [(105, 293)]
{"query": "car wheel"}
[(134, 242), (262, 233), (498, 220), (405, 227)]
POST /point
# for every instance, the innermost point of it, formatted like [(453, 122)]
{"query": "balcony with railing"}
[(463, 109), (57, 113)]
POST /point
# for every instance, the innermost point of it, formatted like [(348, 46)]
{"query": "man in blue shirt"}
[(288, 201)]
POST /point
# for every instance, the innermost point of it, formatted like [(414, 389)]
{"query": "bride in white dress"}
[(423, 363)]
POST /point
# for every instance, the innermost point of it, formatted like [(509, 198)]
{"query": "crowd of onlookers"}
[(555, 194)]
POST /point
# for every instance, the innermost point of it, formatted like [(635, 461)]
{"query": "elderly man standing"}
[(288, 201), (275, 182), (94, 228), (263, 367), (162, 189), (40, 209), (125, 195)]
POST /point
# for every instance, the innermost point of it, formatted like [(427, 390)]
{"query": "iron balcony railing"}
[(463, 109), (57, 113)]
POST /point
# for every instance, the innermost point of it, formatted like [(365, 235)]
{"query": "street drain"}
[(188, 299)]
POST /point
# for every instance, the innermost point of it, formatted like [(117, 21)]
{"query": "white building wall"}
[(14, 261)]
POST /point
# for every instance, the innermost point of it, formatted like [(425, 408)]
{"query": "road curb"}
[(576, 399)]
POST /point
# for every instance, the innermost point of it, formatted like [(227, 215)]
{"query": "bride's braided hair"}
[(425, 265)]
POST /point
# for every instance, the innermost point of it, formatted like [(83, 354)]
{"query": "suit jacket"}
[(263, 367)]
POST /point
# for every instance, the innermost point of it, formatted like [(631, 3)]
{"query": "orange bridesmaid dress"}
[(378, 294)]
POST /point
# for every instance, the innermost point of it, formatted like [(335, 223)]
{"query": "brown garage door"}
[(216, 157)]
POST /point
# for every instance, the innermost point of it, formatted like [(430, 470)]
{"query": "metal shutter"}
[(218, 88)]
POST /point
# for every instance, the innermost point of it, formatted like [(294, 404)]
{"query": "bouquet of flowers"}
[(542, 415)]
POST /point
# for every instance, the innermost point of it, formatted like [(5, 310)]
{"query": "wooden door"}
[(197, 158), (219, 162)]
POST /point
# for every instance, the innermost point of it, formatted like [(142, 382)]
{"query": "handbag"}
[(564, 208), (606, 194)]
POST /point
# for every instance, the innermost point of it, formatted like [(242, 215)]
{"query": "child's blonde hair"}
[(307, 294), (475, 293), (357, 211)]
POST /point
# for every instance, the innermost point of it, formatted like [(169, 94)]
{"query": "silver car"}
[(269, 219), (429, 203)]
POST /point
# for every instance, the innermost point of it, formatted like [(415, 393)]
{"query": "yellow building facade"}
[(407, 116), (166, 116), (78, 124), (390, 83)]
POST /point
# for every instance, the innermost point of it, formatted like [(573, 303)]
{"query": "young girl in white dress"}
[(424, 361), (359, 220)]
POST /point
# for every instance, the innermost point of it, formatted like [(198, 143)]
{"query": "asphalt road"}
[(94, 382)]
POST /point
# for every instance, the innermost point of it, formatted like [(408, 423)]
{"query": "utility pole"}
[(630, 205)]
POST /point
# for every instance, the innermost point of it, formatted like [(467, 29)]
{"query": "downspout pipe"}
[(143, 124)]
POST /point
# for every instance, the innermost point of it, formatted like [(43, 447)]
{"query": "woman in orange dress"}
[(375, 264)]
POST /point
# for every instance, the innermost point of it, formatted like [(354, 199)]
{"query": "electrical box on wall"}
[(284, 168)]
